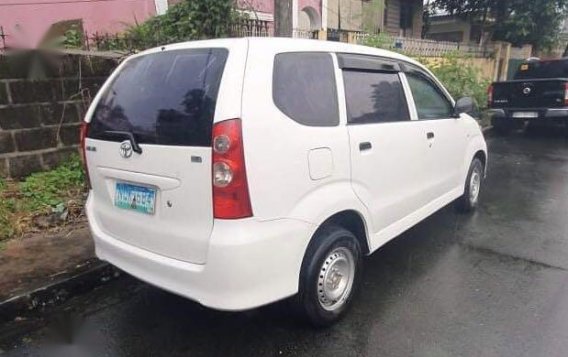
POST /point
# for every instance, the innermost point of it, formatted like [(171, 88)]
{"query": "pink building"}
[(26, 22)]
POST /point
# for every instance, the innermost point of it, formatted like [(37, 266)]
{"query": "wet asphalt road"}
[(494, 283)]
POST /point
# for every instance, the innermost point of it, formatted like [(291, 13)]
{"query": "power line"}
[(64, 2)]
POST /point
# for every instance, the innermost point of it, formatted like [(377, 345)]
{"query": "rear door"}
[(387, 148), (165, 102)]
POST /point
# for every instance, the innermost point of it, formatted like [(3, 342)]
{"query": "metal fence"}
[(309, 34), (428, 48), (252, 28), (128, 42)]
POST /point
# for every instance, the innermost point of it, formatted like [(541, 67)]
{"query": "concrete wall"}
[(39, 119), (351, 12), (373, 18), (487, 66), (452, 29)]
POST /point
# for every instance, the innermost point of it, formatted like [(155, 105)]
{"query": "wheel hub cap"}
[(475, 185), (336, 279)]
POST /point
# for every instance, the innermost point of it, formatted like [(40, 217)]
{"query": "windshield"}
[(165, 98), (542, 69)]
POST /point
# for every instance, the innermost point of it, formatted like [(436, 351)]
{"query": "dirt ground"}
[(35, 260)]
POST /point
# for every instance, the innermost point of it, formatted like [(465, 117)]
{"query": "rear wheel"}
[(330, 275), (470, 198)]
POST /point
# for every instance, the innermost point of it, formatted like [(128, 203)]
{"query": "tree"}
[(535, 22), (187, 20)]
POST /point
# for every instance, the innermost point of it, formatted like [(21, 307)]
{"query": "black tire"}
[(502, 126), (468, 202), (328, 239)]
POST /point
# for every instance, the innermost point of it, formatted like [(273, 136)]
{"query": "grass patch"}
[(56, 195)]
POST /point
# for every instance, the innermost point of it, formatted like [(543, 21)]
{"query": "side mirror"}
[(467, 105)]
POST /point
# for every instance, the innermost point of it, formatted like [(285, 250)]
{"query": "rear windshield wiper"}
[(128, 135)]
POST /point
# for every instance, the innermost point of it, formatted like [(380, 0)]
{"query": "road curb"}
[(90, 276)]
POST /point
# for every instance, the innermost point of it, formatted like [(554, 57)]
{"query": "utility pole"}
[(283, 18)]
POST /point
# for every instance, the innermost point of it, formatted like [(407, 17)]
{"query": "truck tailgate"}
[(533, 93)]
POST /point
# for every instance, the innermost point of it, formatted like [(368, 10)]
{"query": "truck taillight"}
[(231, 198), (490, 95), (566, 94), (83, 131)]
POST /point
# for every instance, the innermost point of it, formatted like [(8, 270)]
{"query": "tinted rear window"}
[(304, 88), (374, 97), (542, 69), (166, 98)]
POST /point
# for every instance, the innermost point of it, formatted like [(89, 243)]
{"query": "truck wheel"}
[(470, 198), (330, 274), (502, 126)]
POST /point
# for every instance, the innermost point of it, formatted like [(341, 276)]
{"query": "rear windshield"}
[(542, 69), (165, 98)]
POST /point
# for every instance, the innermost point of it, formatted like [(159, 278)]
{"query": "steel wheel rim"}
[(335, 279), (475, 185)]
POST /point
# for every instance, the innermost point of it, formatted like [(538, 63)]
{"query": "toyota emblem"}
[(527, 91), (125, 149)]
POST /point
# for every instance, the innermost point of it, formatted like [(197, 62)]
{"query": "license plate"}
[(524, 115), (135, 198)]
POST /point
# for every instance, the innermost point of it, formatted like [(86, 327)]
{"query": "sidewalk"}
[(43, 269)]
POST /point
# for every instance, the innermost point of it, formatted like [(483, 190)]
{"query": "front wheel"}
[(330, 274), (470, 198)]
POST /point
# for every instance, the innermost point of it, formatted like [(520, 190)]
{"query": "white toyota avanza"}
[(239, 172)]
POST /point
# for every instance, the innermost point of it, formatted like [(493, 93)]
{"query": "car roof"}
[(329, 46), (276, 43)]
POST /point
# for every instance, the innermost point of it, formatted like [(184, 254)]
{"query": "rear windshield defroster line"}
[(164, 98)]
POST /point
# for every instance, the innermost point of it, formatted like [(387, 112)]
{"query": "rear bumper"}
[(249, 264), (551, 113)]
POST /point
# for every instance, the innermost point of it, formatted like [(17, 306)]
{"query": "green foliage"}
[(73, 38), (39, 194), (461, 78), (535, 22), (45, 189), (185, 21), (381, 40)]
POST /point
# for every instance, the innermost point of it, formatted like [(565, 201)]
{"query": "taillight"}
[(490, 95), (83, 131), (231, 198), (566, 94)]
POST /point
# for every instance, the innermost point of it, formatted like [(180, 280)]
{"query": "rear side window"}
[(542, 69), (304, 88), (165, 98), (374, 97)]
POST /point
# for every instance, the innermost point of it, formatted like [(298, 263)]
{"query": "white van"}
[(239, 172)]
